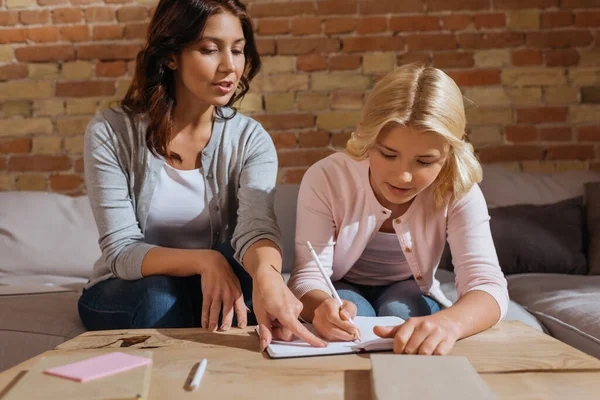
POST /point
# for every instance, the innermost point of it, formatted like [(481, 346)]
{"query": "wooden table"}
[(517, 362)]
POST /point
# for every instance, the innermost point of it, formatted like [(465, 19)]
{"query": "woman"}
[(380, 213), (182, 186)]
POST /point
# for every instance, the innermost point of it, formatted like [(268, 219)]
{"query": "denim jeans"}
[(401, 299), (157, 301)]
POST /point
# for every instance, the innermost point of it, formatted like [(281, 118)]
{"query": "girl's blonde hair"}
[(427, 99)]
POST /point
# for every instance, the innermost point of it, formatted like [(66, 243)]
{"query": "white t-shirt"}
[(178, 216)]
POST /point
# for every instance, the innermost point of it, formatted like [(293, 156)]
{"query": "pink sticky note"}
[(98, 367)]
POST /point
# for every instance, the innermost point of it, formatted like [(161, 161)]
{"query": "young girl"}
[(181, 186), (379, 215)]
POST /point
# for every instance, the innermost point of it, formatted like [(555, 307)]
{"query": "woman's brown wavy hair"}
[(177, 24)]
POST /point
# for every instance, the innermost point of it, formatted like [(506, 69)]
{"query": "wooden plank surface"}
[(237, 370)]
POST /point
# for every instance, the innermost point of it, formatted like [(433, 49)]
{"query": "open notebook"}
[(369, 343)]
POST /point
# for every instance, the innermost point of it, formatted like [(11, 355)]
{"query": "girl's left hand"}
[(434, 334)]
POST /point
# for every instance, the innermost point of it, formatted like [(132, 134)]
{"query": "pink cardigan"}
[(339, 214)]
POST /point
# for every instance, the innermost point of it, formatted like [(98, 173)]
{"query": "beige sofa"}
[(48, 244)]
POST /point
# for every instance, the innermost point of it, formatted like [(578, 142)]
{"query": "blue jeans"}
[(401, 299), (157, 301)]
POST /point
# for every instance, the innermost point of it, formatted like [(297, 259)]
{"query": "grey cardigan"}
[(239, 164)]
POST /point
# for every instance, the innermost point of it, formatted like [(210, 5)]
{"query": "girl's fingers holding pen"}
[(349, 307)]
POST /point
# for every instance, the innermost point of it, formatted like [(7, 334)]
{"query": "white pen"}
[(198, 375), (336, 296)]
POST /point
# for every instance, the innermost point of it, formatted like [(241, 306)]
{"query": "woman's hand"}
[(333, 323), (221, 290), (277, 310), (433, 334)]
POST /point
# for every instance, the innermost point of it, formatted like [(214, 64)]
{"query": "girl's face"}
[(210, 69), (404, 162)]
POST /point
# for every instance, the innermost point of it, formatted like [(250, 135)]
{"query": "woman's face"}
[(210, 70), (404, 162)]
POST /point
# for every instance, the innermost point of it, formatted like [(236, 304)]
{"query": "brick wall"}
[(532, 67)]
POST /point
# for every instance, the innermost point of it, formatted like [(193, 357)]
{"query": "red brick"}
[(108, 32), (326, 7), (314, 139), (564, 57), (108, 51), (390, 6), (302, 158), (79, 165), (13, 71), (306, 46), (294, 175), (99, 14), (133, 13), (367, 25), (344, 62), (85, 89), (111, 69), (497, 20), (556, 134), (13, 35), (273, 26), (522, 4), (39, 163), (45, 53), (65, 182), (77, 33), (570, 152), (490, 40), (9, 18), (306, 26), (521, 133), (284, 140), (51, 2), (414, 24), (510, 153), (311, 62), (579, 3), (456, 22), (340, 139), (15, 146), (340, 25), (46, 34), (265, 46), (85, 2), (588, 133), (527, 57), (286, 121), (535, 115), (554, 19), (118, 1), (66, 15), (445, 5), (453, 60), (441, 41), (373, 43), (34, 17), (559, 39), (282, 9), (588, 19), (136, 30), (413, 58), (475, 77)]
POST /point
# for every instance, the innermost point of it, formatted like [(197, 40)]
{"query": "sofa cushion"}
[(540, 238), (566, 304), (505, 187), (515, 311), (47, 233), (592, 198)]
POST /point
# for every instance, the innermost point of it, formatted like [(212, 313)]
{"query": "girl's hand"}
[(433, 334), (221, 290), (334, 324)]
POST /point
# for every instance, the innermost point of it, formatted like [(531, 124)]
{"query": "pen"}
[(336, 296), (198, 375)]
